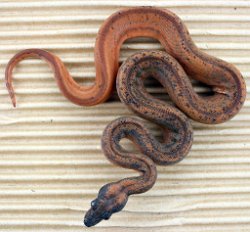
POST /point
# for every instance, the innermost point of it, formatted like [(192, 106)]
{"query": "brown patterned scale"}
[(171, 70), (177, 130), (167, 28)]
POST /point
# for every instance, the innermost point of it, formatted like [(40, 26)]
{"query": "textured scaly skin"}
[(177, 130), (160, 24), (171, 71)]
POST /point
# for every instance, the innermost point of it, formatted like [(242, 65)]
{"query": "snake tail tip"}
[(13, 102)]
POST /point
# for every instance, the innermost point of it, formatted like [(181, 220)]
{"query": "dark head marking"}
[(111, 199)]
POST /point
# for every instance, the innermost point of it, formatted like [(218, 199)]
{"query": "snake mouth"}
[(91, 219)]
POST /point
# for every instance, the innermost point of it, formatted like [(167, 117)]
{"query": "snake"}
[(160, 24), (172, 69), (181, 60), (176, 126)]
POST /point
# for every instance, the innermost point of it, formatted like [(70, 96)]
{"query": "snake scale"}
[(172, 69)]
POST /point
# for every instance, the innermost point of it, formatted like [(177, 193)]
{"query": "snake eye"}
[(93, 204)]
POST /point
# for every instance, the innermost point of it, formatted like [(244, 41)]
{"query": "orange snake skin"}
[(172, 69)]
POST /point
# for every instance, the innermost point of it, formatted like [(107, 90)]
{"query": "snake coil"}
[(171, 69), (177, 130)]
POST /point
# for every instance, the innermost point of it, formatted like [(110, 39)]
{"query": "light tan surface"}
[(51, 162)]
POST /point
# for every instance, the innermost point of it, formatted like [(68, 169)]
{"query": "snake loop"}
[(177, 130), (162, 25), (171, 70), (176, 126)]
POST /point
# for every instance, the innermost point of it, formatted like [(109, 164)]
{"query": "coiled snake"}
[(229, 94), (171, 69)]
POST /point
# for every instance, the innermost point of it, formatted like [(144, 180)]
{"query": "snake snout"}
[(91, 218)]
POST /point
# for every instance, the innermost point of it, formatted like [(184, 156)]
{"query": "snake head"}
[(111, 199)]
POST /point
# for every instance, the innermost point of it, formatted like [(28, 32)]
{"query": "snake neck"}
[(133, 130), (113, 197)]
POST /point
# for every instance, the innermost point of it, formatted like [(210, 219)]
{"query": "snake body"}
[(177, 130), (162, 25), (171, 69)]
